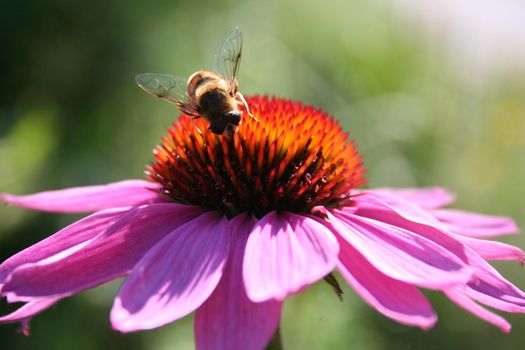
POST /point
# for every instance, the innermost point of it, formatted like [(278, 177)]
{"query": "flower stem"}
[(276, 342)]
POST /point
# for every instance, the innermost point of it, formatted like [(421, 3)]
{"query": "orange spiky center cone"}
[(293, 158)]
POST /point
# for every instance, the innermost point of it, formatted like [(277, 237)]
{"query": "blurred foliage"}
[(70, 114)]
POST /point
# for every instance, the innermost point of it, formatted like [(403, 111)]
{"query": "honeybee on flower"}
[(212, 95)]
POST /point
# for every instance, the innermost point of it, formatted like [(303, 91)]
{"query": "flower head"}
[(293, 158), (229, 227)]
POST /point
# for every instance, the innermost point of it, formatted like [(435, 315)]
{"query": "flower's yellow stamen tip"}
[(289, 157)]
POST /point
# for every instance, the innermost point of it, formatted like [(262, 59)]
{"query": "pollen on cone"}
[(295, 157)]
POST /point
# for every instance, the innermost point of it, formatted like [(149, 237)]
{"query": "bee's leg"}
[(196, 127), (190, 113), (241, 99), (195, 116), (188, 109)]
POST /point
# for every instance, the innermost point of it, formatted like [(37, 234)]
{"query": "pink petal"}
[(487, 285), (284, 253), (228, 320), (490, 288), (111, 254), (397, 300), (428, 198), (491, 250), (89, 198), (475, 225), (175, 277), (459, 222), (410, 217), (29, 310), (64, 241), (370, 203), (413, 219), (401, 254), (466, 303)]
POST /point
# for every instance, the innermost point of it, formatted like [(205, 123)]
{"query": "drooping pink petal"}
[(111, 254), (410, 217), (466, 303), (490, 288), (228, 320), (370, 203), (64, 242), (175, 277), (400, 301), (286, 252), (459, 222), (486, 285), (428, 198), (413, 219), (475, 225), (89, 198), (29, 310), (401, 254), (491, 250)]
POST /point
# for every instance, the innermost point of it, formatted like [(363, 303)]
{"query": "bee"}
[(209, 94)]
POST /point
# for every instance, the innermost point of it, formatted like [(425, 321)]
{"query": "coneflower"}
[(229, 227)]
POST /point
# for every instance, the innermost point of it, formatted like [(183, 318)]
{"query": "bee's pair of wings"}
[(173, 88)]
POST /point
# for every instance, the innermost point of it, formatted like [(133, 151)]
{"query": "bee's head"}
[(233, 117)]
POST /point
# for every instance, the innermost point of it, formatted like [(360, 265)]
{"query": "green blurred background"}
[(433, 92)]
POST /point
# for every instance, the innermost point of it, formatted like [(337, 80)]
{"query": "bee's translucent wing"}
[(167, 87), (228, 57)]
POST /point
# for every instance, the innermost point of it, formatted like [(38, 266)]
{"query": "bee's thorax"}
[(211, 94)]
